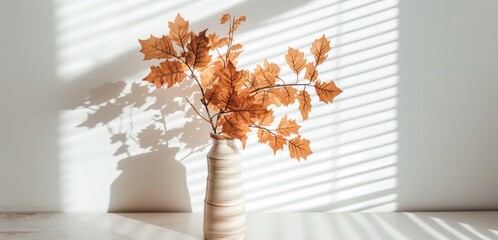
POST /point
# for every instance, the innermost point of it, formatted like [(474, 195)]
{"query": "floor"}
[(260, 226)]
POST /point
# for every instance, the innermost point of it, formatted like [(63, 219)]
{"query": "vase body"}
[(224, 204)]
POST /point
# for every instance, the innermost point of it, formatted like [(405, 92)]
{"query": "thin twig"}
[(195, 109)]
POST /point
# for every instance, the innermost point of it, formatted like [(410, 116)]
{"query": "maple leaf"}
[(237, 22), (295, 60), (276, 143), (286, 95), (286, 127), (216, 42), (267, 97), (299, 148), (263, 136), (304, 104), (224, 18), (157, 48), (271, 68), (320, 48), (168, 72), (266, 119), (178, 31), (235, 127), (230, 77), (311, 72), (326, 91), (198, 50)]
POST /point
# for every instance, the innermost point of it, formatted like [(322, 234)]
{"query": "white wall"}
[(413, 129)]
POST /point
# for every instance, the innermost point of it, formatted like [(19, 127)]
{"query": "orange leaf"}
[(286, 95), (216, 42), (224, 18), (304, 104), (157, 48), (230, 77), (263, 136), (235, 127), (271, 68), (265, 98), (266, 119), (327, 91), (295, 60), (169, 73), (178, 31), (237, 22), (287, 127), (299, 148), (311, 72), (320, 48), (277, 142), (198, 51)]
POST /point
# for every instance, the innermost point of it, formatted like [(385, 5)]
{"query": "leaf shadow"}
[(136, 117)]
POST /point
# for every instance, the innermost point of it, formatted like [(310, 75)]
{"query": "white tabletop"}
[(260, 226)]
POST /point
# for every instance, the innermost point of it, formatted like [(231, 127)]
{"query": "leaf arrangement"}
[(234, 101)]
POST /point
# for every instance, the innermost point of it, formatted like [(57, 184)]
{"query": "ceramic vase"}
[(224, 204)]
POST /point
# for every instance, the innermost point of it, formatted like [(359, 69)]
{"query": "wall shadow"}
[(150, 182), (152, 179)]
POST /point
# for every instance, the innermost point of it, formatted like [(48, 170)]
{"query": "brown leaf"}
[(327, 91), (230, 77), (224, 18), (286, 95), (198, 51), (237, 22), (320, 48), (299, 148), (235, 127), (157, 48), (169, 73), (295, 60), (263, 136), (271, 68), (266, 119), (216, 42), (304, 104), (276, 143), (311, 72), (286, 127), (178, 31)]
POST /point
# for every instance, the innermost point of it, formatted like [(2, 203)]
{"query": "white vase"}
[(224, 205)]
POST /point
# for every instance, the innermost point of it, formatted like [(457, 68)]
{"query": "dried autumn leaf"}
[(230, 77), (299, 148), (157, 48), (215, 41), (263, 136), (198, 50), (266, 119), (271, 68), (224, 18), (295, 60), (276, 143), (236, 23), (235, 127), (320, 48), (311, 72), (286, 95), (286, 127), (169, 73), (304, 104), (178, 31), (327, 91)]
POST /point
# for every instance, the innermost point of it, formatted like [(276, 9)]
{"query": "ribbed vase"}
[(224, 205)]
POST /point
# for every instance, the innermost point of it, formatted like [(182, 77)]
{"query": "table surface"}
[(260, 226)]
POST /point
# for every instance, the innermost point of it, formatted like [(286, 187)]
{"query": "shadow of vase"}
[(150, 182)]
